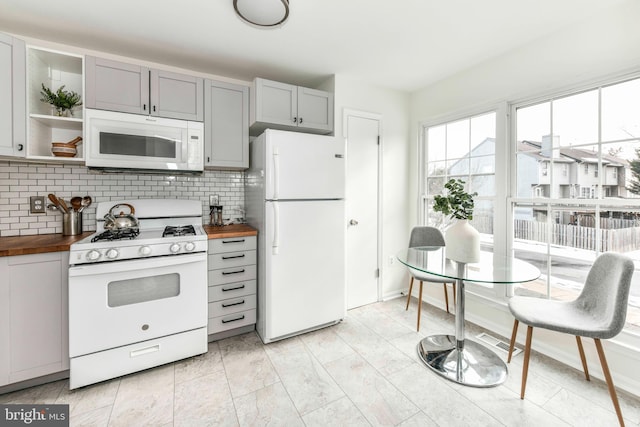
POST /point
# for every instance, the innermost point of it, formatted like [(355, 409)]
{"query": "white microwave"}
[(130, 141)]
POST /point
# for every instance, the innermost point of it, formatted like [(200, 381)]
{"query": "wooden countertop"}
[(43, 243), (234, 230), (38, 244)]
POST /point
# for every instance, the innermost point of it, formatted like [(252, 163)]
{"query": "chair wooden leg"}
[(525, 364), (446, 296), (607, 376), (513, 339), (582, 358), (419, 305), (409, 296)]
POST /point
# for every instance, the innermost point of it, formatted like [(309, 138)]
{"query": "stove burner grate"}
[(180, 230), (125, 233)]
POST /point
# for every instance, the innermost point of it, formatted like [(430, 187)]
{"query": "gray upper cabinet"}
[(128, 88), (116, 86), (283, 106), (13, 114), (226, 125), (276, 103), (315, 110), (176, 96)]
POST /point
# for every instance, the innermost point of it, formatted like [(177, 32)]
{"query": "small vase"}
[(62, 112), (462, 242)]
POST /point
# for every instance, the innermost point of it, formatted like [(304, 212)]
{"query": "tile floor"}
[(363, 371)]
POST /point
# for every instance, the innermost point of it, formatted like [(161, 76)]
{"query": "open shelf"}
[(58, 122), (53, 69)]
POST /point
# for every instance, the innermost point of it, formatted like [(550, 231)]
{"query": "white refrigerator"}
[(294, 196)]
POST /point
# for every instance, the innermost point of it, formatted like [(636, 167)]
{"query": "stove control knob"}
[(145, 250), (93, 255), (189, 246), (112, 254), (175, 248)]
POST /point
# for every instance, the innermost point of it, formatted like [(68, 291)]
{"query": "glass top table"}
[(454, 357)]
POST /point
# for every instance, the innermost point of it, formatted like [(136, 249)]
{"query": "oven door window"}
[(138, 145), (142, 289)]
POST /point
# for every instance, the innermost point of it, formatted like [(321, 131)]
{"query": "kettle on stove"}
[(121, 221)]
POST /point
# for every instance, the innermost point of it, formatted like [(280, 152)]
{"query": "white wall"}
[(603, 46), (393, 106)]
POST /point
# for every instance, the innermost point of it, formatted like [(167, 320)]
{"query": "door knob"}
[(353, 222)]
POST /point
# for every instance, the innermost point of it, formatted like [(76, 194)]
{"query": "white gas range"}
[(138, 296)]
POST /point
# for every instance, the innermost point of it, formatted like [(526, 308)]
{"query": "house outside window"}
[(585, 192)]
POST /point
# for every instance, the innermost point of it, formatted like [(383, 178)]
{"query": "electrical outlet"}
[(214, 200), (36, 204), (392, 259)]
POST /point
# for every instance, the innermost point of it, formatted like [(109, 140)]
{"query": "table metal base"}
[(470, 364)]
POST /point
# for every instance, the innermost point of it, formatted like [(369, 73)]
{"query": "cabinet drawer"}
[(231, 259), (232, 321), (118, 361), (232, 244), (232, 305), (231, 290), (230, 275)]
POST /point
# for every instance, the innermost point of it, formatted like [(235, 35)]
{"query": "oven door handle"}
[(136, 264)]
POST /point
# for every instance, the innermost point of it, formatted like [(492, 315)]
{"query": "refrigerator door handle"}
[(276, 173), (276, 221)]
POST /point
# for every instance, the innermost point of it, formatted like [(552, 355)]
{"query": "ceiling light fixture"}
[(263, 13)]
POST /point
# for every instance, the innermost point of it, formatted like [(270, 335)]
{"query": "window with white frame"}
[(592, 129), (462, 149)]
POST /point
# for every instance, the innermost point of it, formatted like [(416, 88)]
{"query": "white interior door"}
[(362, 132)]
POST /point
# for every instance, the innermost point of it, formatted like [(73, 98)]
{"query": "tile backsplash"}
[(20, 180)]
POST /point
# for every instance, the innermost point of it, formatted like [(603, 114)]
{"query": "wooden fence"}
[(581, 237)]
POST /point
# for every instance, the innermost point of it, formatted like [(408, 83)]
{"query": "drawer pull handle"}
[(233, 289), (143, 351), (234, 256), (232, 304), (233, 241), (224, 273), (233, 320)]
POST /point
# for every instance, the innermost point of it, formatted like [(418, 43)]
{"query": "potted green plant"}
[(62, 100), (462, 241), (457, 203)]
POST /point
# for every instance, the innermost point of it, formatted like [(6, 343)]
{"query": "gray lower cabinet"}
[(226, 125), (13, 109), (34, 332), (232, 286), (129, 88)]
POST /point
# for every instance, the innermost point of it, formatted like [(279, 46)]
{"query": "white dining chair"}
[(427, 236), (599, 312)]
